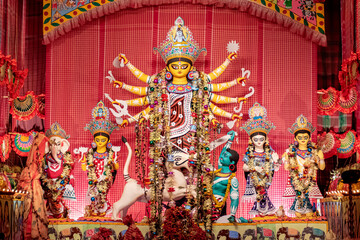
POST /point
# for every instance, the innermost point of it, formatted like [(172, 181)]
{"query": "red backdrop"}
[(282, 64)]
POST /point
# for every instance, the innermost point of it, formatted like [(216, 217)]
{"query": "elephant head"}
[(58, 142)]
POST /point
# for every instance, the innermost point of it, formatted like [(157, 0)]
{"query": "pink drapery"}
[(283, 73)]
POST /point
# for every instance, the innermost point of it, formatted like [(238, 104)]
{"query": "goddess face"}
[(179, 69), (101, 141), (258, 140), (302, 138)]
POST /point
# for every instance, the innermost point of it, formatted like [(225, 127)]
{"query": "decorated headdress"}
[(257, 121), (301, 123), (100, 122), (56, 130), (179, 43)]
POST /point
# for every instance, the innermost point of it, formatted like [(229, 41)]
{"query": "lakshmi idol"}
[(56, 177), (260, 161), (99, 163), (302, 160)]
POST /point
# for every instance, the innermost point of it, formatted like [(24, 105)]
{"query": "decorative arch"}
[(303, 17)]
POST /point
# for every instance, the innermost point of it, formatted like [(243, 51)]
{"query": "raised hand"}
[(122, 57), (214, 122), (241, 80), (124, 124), (237, 117), (232, 56), (241, 99), (117, 84)]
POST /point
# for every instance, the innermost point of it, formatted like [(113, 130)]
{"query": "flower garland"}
[(220, 204), (302, 185), (160, 145), (159, 126), (57, 188), (260, 180), (98, 189)]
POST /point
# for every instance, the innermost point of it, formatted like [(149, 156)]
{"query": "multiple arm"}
[(218, 71), (136, 72), (223, 99), (142, 91)]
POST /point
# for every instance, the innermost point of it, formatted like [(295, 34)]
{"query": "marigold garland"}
[(99, 188), (57, 188), (220, 204), (302, 185)]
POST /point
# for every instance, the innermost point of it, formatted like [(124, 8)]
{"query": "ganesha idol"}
[(56, 178)]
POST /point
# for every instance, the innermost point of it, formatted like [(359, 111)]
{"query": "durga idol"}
[(185, 90)]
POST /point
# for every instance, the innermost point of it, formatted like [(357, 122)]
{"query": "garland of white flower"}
[(302, 185), (102, 187), (259, 181), (62, 180)]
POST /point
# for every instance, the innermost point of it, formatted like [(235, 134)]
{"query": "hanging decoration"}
[(5, 145), (348, 100), (303, 17), (347, 144), (11, 76), (26, 107), (330, 101), (41, 106), (327, 101), (21, 142), (328, 143), (349, 71)]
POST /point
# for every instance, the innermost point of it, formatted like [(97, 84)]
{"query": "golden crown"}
[(257, 121), (179, 43), (56, 130), (101, 122), (301, 123)]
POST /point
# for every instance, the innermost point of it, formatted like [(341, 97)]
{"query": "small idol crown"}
[(257, 121), (56, 130), (301, 123), (179, 43), (100, 121)]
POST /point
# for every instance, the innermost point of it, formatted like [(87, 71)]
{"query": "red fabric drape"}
[(20, 37)]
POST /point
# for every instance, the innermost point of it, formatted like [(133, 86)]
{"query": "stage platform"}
[(293, 229)]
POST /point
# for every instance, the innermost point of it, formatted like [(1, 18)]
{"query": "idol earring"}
[(296, 143), (109, 145), (232, 167), (93, 145), (190, 75), (168, 76)]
